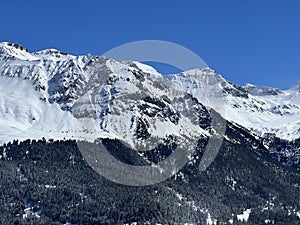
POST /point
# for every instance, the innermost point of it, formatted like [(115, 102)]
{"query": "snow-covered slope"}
[(24, 115), (56, 95), (260, 109)]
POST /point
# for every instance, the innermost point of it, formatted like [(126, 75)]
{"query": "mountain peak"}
[(51, 52), (9, 45), (147, 70), (10, 50)]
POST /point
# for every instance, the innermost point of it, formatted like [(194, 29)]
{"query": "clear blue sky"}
[(254, 41)]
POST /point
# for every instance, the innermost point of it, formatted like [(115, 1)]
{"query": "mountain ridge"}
[(82, 97)]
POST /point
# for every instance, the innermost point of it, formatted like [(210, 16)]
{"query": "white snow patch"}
[(245, 216)]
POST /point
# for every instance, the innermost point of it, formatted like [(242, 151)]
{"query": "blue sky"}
[(246, 41)]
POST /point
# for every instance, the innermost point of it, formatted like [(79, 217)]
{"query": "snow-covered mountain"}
[(263, 110), (56, 95), (131, 106)]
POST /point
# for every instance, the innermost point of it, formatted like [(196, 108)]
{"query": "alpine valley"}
[(50, 101)]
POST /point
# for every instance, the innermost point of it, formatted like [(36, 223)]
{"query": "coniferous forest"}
[(49, 182)]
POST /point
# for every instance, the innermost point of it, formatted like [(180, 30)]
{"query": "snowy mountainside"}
[(24, 115), (89, 94), (135, 108), (263, 110), (81, 96)]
